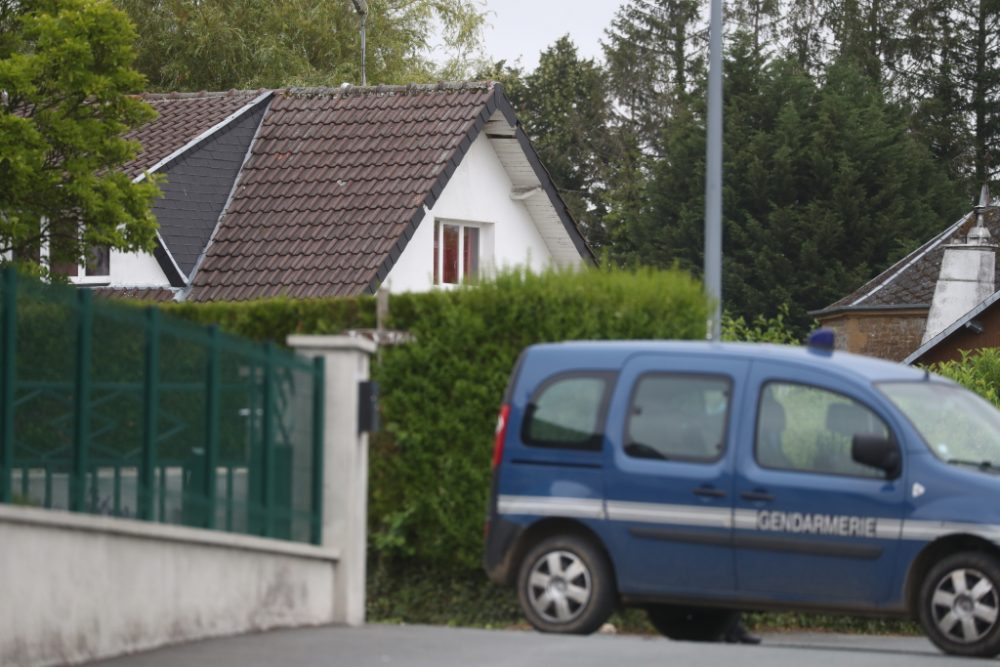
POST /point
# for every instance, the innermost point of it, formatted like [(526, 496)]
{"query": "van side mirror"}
[(878, 452)]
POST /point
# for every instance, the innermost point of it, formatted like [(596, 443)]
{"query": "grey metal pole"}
[(361, 7), (364, 48), (713, 175)]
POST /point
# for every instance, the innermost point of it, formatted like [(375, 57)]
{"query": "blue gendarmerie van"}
[(697, 479)]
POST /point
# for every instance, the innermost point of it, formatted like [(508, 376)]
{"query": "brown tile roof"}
[(910, 282), (335, 184), (182, 118)]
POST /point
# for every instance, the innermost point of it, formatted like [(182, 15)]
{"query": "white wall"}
[(478, 192), (78, 587), (133, 269)]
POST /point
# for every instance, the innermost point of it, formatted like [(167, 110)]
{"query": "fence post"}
[(345, 465), (8, 362), (213, 380), (267, 441), (319, 386), (150, 415), (81, 421)]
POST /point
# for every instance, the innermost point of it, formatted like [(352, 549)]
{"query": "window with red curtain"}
[(456, 253), (449, 261)]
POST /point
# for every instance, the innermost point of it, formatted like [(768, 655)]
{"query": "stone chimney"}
[(967, 275)]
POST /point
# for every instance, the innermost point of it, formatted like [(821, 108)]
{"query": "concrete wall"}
[(477, 193), (888, 334), (76, 587)]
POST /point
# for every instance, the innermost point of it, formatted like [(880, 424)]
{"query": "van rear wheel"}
[(565, 585), (691, 623), (960, 605)]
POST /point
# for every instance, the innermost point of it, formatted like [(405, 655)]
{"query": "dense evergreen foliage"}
[(854, 129)]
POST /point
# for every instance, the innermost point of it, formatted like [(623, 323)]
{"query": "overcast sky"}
[(526, 27)]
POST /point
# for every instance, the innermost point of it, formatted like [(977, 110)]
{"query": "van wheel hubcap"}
[(965, 606), (559, 586)]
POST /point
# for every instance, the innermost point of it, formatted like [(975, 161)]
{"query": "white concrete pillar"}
[(345, 463)]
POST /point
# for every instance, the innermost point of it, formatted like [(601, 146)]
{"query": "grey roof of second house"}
[(198, 185), (910, 282)]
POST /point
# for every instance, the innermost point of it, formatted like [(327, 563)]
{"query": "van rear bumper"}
[(501, 542)]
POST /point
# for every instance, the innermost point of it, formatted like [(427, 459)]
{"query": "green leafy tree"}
[(221, 44), (67, 81)]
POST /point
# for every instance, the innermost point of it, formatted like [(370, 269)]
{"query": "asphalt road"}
[(424, 646)]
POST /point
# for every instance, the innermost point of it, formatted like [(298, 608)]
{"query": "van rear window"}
[(568, 412), (680, 417)]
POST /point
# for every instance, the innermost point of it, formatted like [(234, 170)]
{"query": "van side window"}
[(678, 417), (810, 430), (568, 412)]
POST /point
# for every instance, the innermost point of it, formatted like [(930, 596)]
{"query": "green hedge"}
[(440, 393)]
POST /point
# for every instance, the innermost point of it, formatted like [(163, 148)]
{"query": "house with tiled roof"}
[(932, 304), (335, 192)]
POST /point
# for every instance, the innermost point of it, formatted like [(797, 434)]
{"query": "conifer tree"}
[(824, 185)]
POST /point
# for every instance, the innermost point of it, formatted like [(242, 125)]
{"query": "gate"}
[(110, 408)]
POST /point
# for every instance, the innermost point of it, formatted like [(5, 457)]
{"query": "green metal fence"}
[(112, 409)]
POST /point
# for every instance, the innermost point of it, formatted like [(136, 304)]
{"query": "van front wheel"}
[(565, 585), (960, 605)]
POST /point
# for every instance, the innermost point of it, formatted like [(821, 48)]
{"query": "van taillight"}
[(500, 434)]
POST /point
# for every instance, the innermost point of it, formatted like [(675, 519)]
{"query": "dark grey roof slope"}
[(910, 282), (198, 185)]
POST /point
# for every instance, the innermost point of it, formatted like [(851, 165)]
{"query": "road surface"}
[(425, 646)]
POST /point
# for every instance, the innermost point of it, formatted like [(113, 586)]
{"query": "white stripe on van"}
[(925, 531), (680, 515), (721, 517), (586, 508)]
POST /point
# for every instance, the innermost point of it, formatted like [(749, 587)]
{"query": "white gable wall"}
[(477, 193), (135, 269)]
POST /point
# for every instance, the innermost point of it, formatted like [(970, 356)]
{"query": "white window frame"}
[(81, 277), (485, 249)]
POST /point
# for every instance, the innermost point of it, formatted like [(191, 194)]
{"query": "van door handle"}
[(709, 492), (760, 496)]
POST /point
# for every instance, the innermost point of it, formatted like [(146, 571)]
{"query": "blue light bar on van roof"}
[(821, 340)]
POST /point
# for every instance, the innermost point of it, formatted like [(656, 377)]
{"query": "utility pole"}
[(361, 7), (713, 175)]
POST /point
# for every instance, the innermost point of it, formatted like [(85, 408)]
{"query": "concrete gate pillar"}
[(345, 462)]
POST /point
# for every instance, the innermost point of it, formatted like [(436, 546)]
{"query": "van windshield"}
[(957, 425)]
